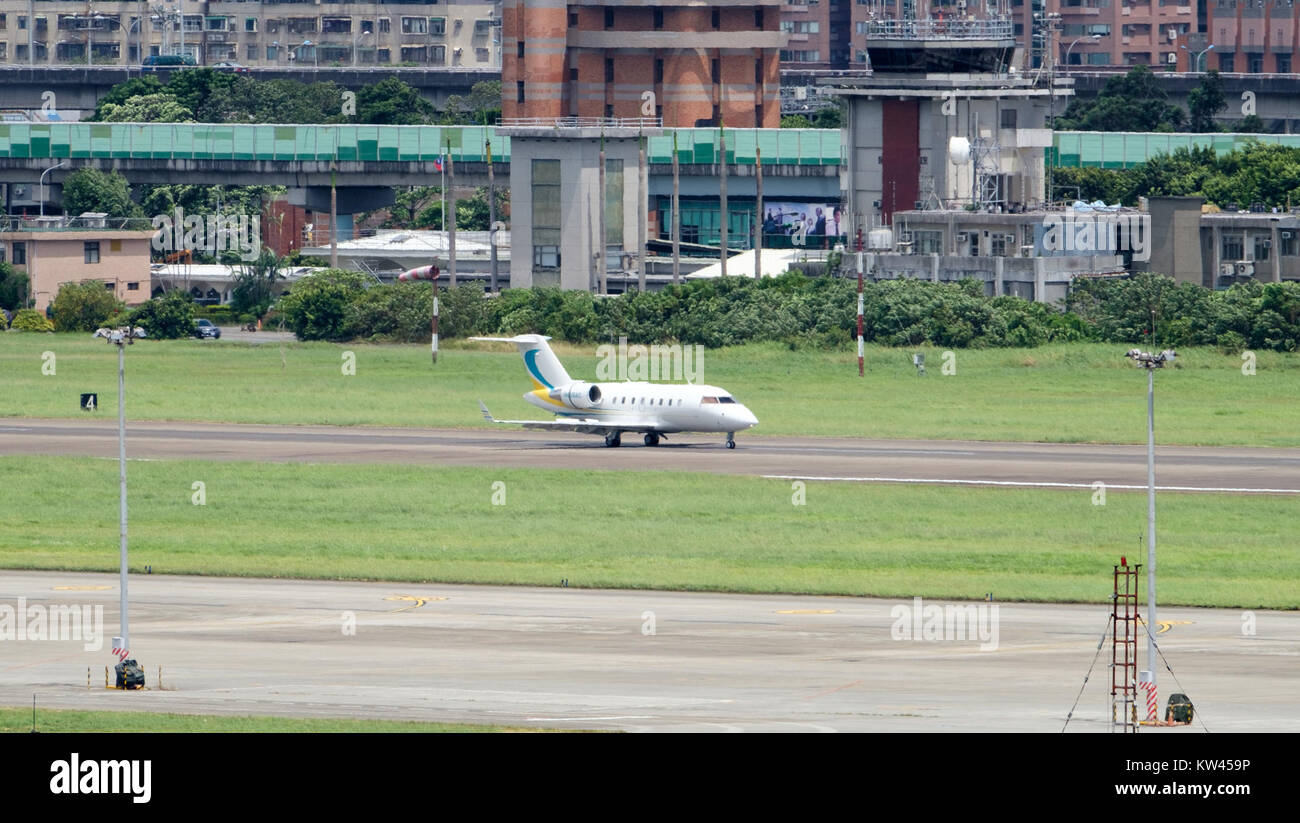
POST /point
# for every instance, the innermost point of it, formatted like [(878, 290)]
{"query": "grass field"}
[(1066, 393), (67, 720), (641, 530)]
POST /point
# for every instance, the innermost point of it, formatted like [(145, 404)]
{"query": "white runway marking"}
[(1026, 483)]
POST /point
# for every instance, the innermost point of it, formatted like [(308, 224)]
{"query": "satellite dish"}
[(958, 150)]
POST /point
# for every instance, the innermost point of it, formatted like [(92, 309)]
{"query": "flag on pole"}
[(437, 163)]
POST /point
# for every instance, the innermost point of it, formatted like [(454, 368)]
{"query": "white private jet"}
[(609, 409)]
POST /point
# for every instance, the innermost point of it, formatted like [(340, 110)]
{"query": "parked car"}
[(205, 328), (229, 65)]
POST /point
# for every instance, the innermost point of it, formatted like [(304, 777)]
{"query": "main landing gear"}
[(731, 440), (651, 439), (613, 440)]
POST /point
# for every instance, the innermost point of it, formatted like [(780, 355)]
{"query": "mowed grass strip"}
[(76, 721), (1063, 393), (642, 530)]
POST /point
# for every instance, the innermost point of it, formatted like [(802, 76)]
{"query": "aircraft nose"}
[(746, 417)]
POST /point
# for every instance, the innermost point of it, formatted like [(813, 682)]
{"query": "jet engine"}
[(579, 395)]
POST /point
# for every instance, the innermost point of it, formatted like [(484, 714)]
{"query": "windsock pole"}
[(429, 273)]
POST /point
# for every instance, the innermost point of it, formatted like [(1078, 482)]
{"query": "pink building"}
[(52, 255)]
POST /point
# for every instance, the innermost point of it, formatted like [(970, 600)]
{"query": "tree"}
[(84, 306), (318, 306), (146, 108), (795, 121), (13, 288), (1205, 101), (482, 106), (135, 87), (192, 88), (830, 117), (96, 191), (393, 102), (1130, 102), (255, 284), (169, 317)]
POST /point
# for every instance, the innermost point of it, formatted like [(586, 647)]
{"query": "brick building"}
[(705, 64)]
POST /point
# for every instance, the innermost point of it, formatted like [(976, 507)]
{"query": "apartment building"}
[(705, 63), (268, 33), (1123, 32), (819, 34), (1248, 36)]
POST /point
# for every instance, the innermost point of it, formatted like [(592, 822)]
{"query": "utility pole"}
[(722, 190), (676, 229), (642, 185), (602, 268), (492, 218), (758, 225), (451, 236)]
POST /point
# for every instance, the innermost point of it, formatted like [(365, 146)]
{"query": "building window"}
[(717, 17), (415, 25), (659, 71), (519, 91), (758, 18), (1284, 64), (658, 18), (1262, 247), (609, 70), (250, 24), (1227, 63), (609, 17), (133, 287), (383, 56), (519, 49), (481, 55), (1256, 64), (437, 26), (20, 254), (1287, 239), (92, 251), (546, 214), (385, 25), (1233, 247), (1008, 118)]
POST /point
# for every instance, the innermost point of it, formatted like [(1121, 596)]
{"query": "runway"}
[(1227, 469), (629, 660)]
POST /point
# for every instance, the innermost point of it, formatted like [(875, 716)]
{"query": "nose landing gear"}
[(731, 440)]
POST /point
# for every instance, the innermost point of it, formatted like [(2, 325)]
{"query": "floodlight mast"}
[(1151, 362), (122, 337)]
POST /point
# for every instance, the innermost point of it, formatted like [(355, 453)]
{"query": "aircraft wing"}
[(582, 425)]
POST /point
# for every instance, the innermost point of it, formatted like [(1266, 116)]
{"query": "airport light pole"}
[(1093, 37), (121, 337), (1196, 62), (59, 165), (1151, 362)]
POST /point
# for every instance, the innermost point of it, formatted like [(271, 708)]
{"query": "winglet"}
[(487, 415)]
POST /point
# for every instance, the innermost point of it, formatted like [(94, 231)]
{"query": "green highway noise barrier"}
[(314, 143), (1121, 150)]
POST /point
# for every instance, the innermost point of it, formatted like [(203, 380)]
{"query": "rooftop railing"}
[(940, 30)]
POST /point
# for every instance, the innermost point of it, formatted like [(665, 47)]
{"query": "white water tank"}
[(958, 150)]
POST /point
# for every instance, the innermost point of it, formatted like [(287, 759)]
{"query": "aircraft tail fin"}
[(543, 366)]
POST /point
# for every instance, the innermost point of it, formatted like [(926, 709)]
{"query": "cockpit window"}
[(726, 400), (708, 399)]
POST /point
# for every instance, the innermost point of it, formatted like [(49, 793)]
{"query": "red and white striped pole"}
[(429, 273), (1147, 683), (861, 367)]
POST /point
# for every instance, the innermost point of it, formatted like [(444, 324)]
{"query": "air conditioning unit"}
[(1026, 251), (1009, 238), (904, 237), (1173, 34), (1286, 235), (1246, 268), (963, 237), (1227, 269), (1173, 58)]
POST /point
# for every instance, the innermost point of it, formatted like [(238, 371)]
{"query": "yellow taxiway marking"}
[(805, 611), (80, 588), (416, 602), (1166, 624)]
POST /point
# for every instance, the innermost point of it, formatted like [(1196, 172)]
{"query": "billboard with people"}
[(811, 223)]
